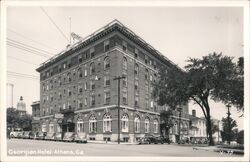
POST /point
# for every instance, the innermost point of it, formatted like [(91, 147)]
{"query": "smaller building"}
[(198, 128), (217, 134), (35, 116), (21, 107)]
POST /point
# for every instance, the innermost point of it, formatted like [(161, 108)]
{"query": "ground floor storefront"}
[(102, 123)]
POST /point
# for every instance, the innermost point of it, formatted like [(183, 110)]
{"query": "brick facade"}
[(79, 84)]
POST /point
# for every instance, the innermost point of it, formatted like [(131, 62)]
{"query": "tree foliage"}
[(213, 77), (166, 121), (16, 121), (227, 133)]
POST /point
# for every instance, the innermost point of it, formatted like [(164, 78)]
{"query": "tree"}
[(212, 77), (166, 122), (16, 121), (240, 137), (227, 132), (214, 126)]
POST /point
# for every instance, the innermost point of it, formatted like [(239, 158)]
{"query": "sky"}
[(177, 32)]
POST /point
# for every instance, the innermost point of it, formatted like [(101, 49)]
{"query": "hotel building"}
[(78, 92)]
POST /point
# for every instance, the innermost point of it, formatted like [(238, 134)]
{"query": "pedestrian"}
[(8, 133)]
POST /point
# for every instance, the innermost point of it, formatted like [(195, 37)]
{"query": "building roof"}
[(115, 25)]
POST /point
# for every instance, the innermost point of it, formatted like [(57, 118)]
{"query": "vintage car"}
[(58, 136), (41, 135), (16, 134), (81, 137), (27, 135), (50, 136), (69, 137)]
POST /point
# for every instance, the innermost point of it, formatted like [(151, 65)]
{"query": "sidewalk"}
[(220, 150), (111, 142)]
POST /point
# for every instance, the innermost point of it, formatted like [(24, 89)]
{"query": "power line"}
[(27, 38), (27, 50), (54, 23), (29, 46), (22, 60)]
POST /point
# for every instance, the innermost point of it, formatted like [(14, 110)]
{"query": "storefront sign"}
[(58, 116)]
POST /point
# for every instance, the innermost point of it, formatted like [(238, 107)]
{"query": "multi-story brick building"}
[(79, 93)]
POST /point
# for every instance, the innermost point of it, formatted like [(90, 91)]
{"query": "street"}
[(17, 147)]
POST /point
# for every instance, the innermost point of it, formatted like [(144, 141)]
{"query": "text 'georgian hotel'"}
[(79, 93)]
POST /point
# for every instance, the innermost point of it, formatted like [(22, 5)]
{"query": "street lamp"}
[(118, 105), (179, 124)]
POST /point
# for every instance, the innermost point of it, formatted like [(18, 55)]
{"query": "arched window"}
[(136, 69), (137, 124), (80, 126), (147, 125), (156, 125), (125, 63), (92, 124), (125, 123), (92, 68), (106, 63), (107, 123)]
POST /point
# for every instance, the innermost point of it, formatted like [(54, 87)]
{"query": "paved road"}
[(38, 148)]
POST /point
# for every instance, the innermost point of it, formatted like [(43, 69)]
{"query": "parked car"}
[(58, 136), (81, 137), (15, 134), (159, 139), (20, 134), (41, 135), (144, 140), (50, 136), (35, 135), (69, 137), (26, 135)]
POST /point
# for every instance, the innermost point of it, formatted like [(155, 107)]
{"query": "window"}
[(136, 53), (146, 59), (92, 124), (137, 124), (44, 127), (124, 82), (92, 52), (80, 126), (79, 72), (69, 105), (124, 123), (86, 101), (69, 78), (147, 125), (69, 92), (146, 88), (85, 72), (80, 58), (107, 123), (64, 106), (124, 46), (92, 68), (124, 97), (79, 104), (51, 127), (92, 99), (106, 45), (152, 104), (92, 85), (107, 97), (106, 81), (124, 64), (79, 89), (86, 86), (146, 74), (106, 63), (136, 101), (156, 126), (136, 85), (136, 69)]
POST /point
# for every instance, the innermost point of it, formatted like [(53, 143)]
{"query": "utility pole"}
[(118, 105), (229, 124), (11, 95)]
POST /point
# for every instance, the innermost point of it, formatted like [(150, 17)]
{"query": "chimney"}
[(194, 113)]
